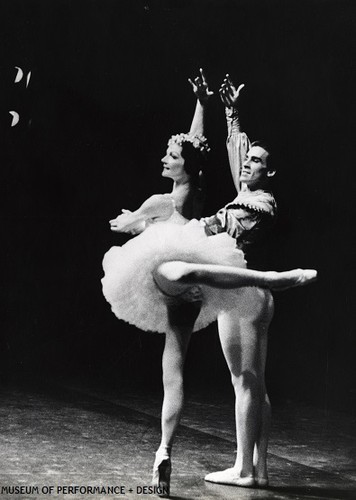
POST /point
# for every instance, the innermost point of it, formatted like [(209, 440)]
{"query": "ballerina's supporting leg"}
[(177, 274), (181, 318)]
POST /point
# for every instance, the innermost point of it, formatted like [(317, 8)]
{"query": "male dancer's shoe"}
[(230, 477), (261, 482)]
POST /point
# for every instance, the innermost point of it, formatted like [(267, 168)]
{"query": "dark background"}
[(108, 88)]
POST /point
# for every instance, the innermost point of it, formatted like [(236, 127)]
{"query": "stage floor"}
[(75, 436)]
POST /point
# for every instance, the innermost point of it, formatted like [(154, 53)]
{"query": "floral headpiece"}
[(197, 141)]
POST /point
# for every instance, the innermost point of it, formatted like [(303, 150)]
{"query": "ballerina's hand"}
[(229, 94), (125, 223), (201, 87), (156, 207), (138, 228)]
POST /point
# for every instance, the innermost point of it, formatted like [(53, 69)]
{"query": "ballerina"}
[(183, 162), (174, 279)]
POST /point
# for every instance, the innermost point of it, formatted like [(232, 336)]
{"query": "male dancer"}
[(243, 331)]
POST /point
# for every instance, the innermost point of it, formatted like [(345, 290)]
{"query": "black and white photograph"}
[(177, 248)]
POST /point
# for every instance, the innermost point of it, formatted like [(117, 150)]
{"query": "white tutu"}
[(128, 283)]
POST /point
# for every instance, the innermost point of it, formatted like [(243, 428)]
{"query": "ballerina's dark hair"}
[(194, 162)]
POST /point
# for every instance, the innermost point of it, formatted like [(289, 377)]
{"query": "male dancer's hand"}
[(229, 94)]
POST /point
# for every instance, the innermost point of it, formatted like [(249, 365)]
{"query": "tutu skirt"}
[(130, 289)]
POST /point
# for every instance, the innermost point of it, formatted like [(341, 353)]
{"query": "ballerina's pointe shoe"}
[(230, 477), (161, 477), (294, 278)]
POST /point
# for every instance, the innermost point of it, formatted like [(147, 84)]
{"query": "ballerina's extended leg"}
[(228, 277)]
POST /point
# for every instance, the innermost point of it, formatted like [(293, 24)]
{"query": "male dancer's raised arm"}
[(237, 141)]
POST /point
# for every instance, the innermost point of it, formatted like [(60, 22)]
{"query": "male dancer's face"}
[(255, 173)]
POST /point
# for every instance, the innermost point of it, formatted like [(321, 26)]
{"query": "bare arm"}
[(157, 207), (201, 90), (237, 142)]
